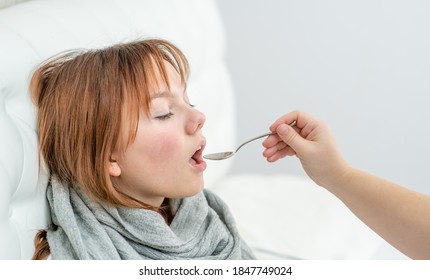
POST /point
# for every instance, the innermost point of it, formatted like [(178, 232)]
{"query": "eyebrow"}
[(160, 94), (166, 94)]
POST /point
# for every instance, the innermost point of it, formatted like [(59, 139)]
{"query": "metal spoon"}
[(225, 155)]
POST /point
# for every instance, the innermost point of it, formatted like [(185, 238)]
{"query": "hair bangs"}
[(142, 75)]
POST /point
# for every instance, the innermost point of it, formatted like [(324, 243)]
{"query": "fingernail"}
[(282, 129)]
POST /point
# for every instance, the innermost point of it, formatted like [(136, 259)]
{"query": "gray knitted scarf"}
[(202, 228)]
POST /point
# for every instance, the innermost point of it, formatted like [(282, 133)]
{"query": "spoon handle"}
[(255, 138)]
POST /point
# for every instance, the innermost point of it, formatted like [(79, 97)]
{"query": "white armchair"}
[(279, 216)]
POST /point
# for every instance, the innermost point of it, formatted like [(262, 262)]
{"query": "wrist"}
[(340, 178)]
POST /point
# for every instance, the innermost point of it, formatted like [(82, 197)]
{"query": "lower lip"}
[(199, 167)]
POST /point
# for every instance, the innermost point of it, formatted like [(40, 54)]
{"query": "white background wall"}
[(362, 66)]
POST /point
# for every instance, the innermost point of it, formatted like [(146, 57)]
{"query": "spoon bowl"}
[(229, 154), (219, 156)]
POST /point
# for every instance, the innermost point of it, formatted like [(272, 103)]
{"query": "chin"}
[(197, 187)]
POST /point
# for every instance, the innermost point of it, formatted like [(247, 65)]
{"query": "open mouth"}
[(196, 159)]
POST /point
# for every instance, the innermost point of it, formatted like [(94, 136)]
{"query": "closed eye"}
[(165, 117)]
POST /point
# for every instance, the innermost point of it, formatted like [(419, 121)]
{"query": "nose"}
[(196, 121)]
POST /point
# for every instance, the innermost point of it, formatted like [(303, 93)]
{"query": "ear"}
[(114, 168)]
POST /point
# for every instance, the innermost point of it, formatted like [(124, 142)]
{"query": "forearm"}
[(399, 215)]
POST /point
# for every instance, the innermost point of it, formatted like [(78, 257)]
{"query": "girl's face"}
[(165, 159)]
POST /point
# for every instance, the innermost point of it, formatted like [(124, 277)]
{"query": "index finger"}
[(299, 118)]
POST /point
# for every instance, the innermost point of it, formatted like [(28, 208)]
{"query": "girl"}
[(124, 149)]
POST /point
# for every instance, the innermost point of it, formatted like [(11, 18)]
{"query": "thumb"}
[(291, 138)]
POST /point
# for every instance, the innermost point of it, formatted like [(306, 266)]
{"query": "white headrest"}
[(33, 31)]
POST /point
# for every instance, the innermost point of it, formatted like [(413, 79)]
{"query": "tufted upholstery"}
[(33, 31)]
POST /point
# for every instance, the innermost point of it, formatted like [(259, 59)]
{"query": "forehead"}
[(171, 83)]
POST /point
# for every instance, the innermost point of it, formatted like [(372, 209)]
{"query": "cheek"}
[(164, 147)]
